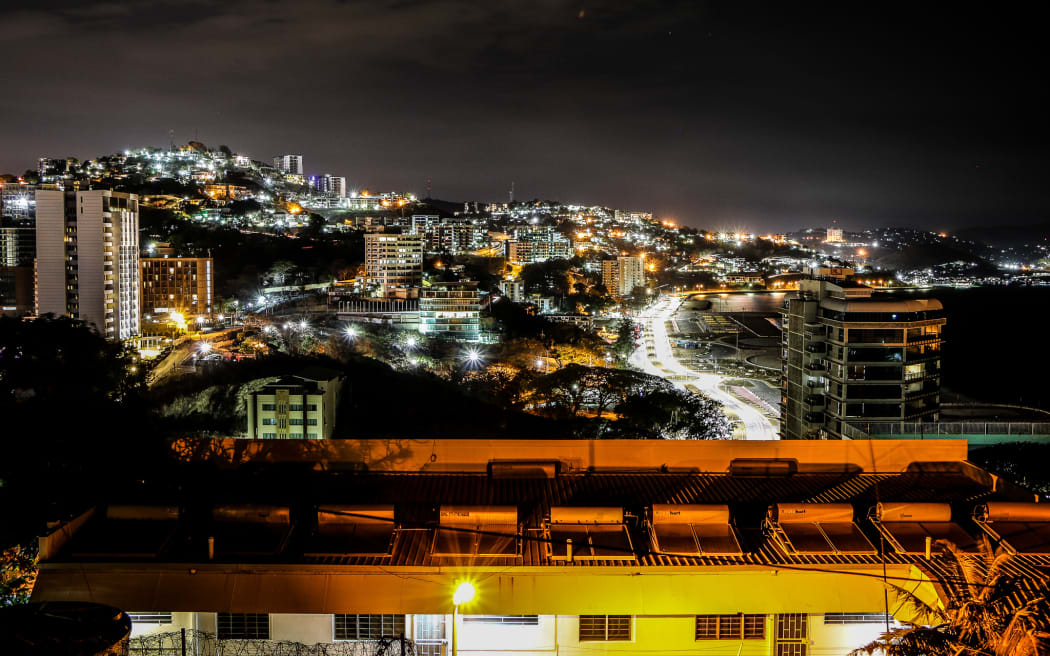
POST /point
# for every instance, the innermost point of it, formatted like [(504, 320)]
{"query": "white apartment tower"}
[(87, 268), (622, 275), (291, 164)]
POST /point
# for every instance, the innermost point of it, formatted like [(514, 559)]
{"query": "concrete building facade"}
[(850, 356), (300, 407), (87, 268)]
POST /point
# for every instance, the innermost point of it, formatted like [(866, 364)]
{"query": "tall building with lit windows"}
[(450, 309), (394, 262), (87, 259), (622, 275), (17, 246), (851, 357), (177, 284)]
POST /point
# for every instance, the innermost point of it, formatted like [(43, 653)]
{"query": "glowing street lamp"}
[(473, 357), (410, 342), (464, 594), (351, 333), (205, 348)]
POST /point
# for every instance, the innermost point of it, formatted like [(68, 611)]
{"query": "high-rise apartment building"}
[(289, 164), (622, 275), (450, 309), (330, 184), (834, 236), (394, 262), (177, 284), (851, 357), (87, 267)]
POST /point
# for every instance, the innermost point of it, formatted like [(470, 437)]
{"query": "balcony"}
[(922, 375), (816, 347), (814, 417), (815, 366), (910, 358), (814, 400)]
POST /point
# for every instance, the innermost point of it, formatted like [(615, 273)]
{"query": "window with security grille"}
[(243, 626), (856, 618), (368, 627), (150, 618), (791, 626), (730, 627), (754, 627), (605, 628), (521, 620)]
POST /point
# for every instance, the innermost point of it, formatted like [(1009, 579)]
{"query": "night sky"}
[(718, 115)]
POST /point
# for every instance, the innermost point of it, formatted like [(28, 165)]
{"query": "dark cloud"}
[(716, 114)]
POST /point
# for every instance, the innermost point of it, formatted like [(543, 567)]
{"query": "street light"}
[(464, 594), (351, 333), (473, 357)]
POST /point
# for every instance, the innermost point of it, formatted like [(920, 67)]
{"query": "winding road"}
[(664, 364)]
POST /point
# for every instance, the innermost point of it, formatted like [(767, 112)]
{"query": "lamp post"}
[(464, 594)]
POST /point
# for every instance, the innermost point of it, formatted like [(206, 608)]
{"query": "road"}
[(664, 364)]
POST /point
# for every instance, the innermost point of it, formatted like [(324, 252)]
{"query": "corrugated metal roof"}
[(417, 496)]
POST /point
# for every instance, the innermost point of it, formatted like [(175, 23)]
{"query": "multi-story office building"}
[(289, 164), (834, 236), (87, 249), (450, 309), (301, 407), (177, 284), (622, 275), (851, 357), (394, 262), (17, 247), (573, 547)]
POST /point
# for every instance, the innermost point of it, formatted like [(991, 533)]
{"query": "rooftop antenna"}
[(429, 195), (171, 138), (511, 195)]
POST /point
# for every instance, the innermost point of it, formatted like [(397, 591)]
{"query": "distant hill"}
[(1004, 236)]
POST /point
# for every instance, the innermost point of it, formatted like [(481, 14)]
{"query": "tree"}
[(280, 273), (987, 612), (17, 574), (671, 414), (624, 345)]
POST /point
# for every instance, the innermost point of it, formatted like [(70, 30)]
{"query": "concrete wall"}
[(559, 634)]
